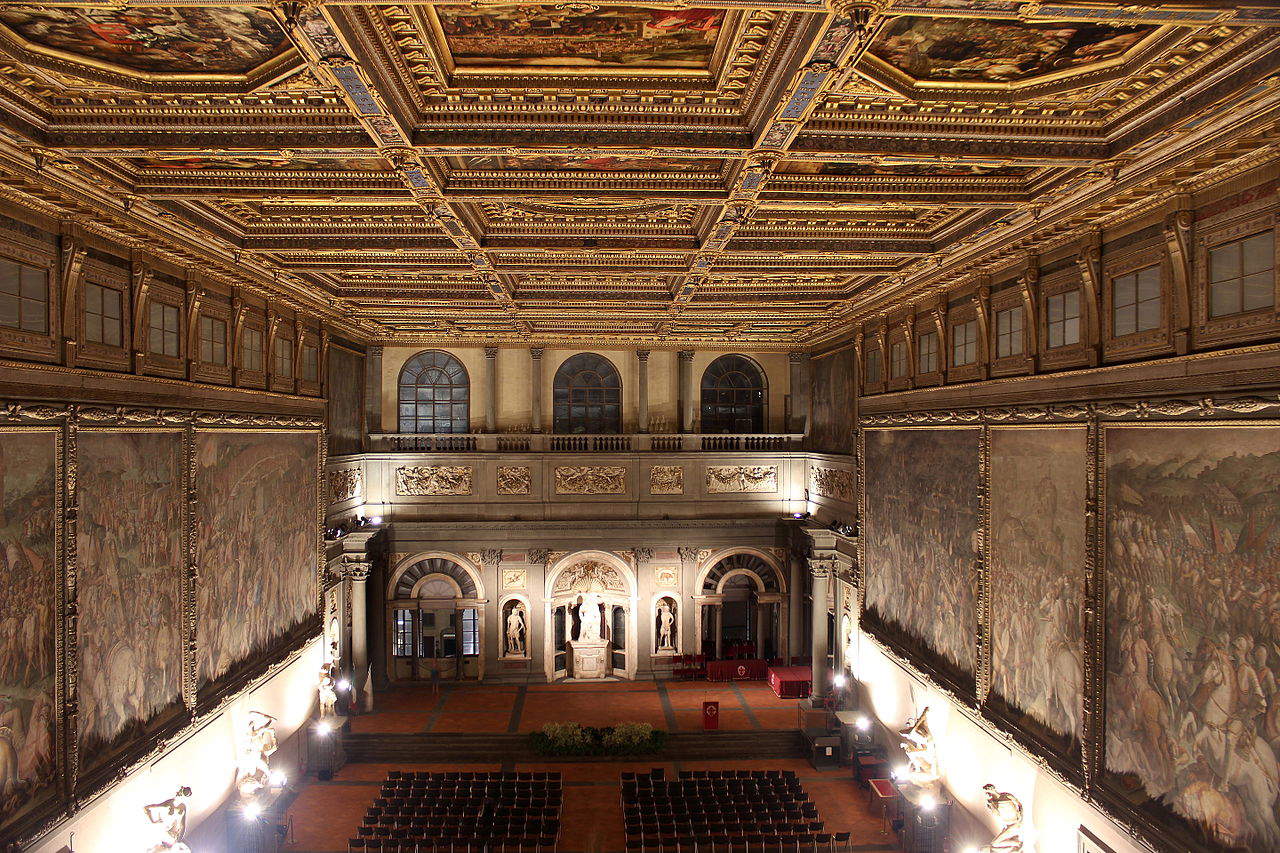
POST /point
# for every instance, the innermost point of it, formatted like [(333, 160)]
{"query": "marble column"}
[(642, 389), (535, 395), (491, 398), (685, 358), (820, 572), (362, 695), (795, 610)]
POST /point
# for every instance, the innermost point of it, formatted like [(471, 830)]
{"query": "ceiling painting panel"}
[(185, 40), (579, 35), (596, 163)]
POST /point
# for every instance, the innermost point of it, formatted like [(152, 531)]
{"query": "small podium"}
[(325, 754)]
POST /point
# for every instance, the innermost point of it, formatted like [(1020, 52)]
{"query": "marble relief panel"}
[(514, 480), (666, 480), (723, 479), (591, 480), (430, 480)]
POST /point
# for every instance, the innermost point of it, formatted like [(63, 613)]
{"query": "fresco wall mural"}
[(508, 35), (154, 39), (994, 51), (256, 541), (921, 536), (1037, 560), (345, 390), (1193, 622), (28, 488), (831, 402), (129, 554)]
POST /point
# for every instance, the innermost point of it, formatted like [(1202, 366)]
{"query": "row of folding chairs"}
[(733, 774), (692, 788), (415, 789), (822, 842), (446, 829), (686, 826), (714, 799), (478, 775), (406, 817), (396, 805), (440, 844), (726, 807)]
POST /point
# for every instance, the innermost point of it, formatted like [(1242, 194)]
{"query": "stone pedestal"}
[(590, 659)]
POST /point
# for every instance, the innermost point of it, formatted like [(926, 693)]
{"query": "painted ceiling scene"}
[(643, 174)]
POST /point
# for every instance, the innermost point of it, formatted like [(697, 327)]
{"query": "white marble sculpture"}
[(589, 618), (168, 820), (922, 753), (515, 631), (1007, 810), (257, 746), (328, 690), (666, 624)]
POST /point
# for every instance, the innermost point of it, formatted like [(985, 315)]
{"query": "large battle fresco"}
[(831, 404), (129, 554), (1193, 624), (1037, 560), (256, 540), (345, 390), (994, 51), (28, 488), (154, 39), (921, 530), (580, 35)]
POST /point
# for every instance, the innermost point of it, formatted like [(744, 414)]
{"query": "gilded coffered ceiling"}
[(660, 174)]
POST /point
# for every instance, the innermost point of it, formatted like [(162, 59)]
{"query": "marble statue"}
[(1007, 810), (922, 753), (589, 618), (255, 751), (515, 631), (169, 822), (328, 690), (666, 622)]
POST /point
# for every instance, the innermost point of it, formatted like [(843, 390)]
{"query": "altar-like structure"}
[(591, 605)]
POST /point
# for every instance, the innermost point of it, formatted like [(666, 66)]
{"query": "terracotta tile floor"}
[(326, 814)]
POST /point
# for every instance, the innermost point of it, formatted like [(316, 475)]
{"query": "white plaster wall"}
[(204, 760), (971, 753)]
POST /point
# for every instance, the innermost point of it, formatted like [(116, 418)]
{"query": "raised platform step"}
[(505, 748)]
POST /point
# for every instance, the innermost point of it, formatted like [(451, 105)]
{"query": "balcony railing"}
[(545, 443)]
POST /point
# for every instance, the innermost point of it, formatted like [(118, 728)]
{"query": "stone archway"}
[(741, 605), (591, 618), (435, 619)]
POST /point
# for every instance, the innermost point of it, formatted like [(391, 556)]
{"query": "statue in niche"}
[(666, 627), (169, 819), (256, 750), (589, 618), (328, 689), (515, 630), (922, 753), (1007, 810)]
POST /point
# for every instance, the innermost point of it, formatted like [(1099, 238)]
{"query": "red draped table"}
[(790, 682), (736, 670)]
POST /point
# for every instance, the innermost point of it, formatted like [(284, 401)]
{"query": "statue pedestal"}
[(590, 658)]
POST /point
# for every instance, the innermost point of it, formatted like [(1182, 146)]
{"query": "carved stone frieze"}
[(591, 480), (835, 483), (666, 480), (515, 578), (514, 480), (429, 480), (742, 478), (345, 484), (666, 576), (589, 576)]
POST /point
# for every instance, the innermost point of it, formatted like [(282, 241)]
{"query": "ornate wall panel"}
[(345, 389), (1193, 625), (724, 479), (831, 427), (130, 558), (591, 480), (514, 480), (345, 484), (29, 621), (256, 540), (833, 483), (922, 540), (430, 480), (1037, 571), (666, 480)]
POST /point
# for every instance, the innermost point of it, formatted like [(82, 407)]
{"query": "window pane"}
[(1259, 291), (1055, 309), (93, 299), (1071, 335), (35, 284), (1149, 283), (1071, 303), (9, 311), (1123, 290), (1224, 263), (9, 275), (1126, 320), (1149, 314), (1259, 251), (1224, 299)]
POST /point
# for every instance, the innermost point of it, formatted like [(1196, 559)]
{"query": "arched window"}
[(733, 396), (435, 394), (587, 396)]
